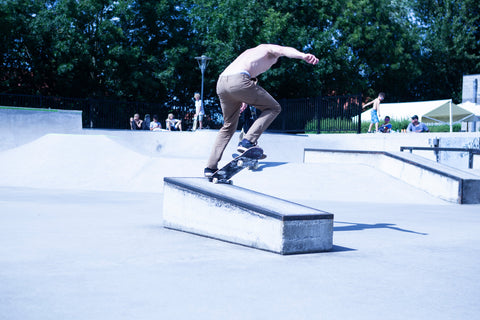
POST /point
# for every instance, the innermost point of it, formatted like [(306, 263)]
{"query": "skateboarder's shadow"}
[(262, 165), (350, 226)]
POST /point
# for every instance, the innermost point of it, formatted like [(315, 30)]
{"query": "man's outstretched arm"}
[(290, 52)]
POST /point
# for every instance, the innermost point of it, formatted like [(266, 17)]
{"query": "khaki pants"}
[(232, 91)]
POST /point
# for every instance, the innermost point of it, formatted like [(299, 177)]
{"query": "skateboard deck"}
[(247, 159), (263, 156)]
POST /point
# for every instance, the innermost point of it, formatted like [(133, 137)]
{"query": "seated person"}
[(146, 123), (136, 122), (417, 126), (155, 125), (387, 126), (173, 124)]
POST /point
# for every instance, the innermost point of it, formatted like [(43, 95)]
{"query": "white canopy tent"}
[(433, 112), (472, 107)]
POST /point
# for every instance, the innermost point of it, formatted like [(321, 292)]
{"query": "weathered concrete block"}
[(245, 217)]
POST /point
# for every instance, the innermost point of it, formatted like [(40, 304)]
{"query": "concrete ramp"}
[(22, 125), (245, 217), (88, 162), (437, 179)]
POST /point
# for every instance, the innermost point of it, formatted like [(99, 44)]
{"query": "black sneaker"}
[(244, 145), (208, 172)]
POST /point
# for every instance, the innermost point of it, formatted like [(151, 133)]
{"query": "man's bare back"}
[(261, 58)]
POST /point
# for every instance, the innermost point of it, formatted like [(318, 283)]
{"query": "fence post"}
[(359, 108), (90, 112), (284, 113), (317, 114)]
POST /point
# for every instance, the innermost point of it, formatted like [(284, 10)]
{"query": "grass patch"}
[(348, 126), (398, 126)]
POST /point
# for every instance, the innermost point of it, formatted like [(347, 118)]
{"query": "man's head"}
[(196, 96), (155, 118), (415, 119), (387, 119), (136, 116), (381, 96)]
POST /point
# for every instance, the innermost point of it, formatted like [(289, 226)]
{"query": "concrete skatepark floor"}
[(81, 238)]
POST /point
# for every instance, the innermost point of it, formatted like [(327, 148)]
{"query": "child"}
[(199, 112), (387, 126), (375, 112)]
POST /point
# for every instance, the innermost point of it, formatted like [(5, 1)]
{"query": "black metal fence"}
[(322, 114), (310, 115), (105, 114)]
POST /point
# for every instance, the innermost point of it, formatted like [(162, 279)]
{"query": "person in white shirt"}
[(173, 124), (199, 112), (155, 125)]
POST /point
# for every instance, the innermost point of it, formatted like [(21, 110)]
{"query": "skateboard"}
[(263, 156), (194, 127), (248, 159)]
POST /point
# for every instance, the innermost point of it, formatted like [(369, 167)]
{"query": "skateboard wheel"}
[(240, 163), (215, 180), (255, 166)]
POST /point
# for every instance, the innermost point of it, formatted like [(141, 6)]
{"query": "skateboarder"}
[(237, 85)]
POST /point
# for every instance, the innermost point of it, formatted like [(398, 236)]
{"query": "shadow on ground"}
[(351, 226)]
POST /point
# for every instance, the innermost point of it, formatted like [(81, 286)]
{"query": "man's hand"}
[(310, 58)]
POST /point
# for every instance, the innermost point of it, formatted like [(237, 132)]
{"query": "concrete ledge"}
[(437, 179), (245, 217)]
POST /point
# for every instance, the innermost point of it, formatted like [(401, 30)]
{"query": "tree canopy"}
[(145, 50)]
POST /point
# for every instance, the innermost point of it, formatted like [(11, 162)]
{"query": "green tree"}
[(450, 42), (378, 40)]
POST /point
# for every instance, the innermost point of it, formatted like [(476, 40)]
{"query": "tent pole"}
[(451, 126)]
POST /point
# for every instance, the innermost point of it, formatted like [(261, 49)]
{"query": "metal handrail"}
[(471, 152)]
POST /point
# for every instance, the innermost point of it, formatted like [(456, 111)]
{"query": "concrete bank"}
[(22, 125), (437, 179)]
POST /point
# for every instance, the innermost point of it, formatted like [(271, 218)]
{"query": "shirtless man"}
[(237, 85)]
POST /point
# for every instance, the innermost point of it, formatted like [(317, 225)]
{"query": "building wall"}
[(471, 89)]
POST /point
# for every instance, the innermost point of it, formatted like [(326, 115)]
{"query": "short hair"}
[(382, 95)]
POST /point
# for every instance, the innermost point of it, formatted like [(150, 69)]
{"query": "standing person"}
[(199, 112), (248, 115), (416, 126), (237, 84), (375, 112)]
